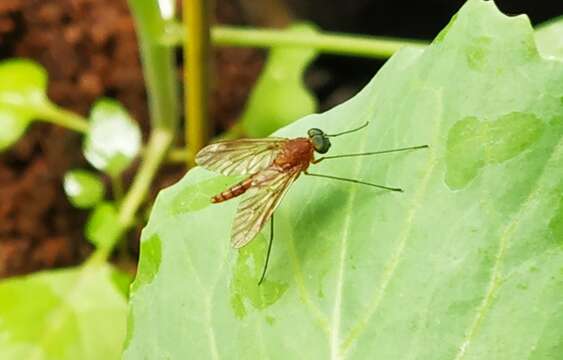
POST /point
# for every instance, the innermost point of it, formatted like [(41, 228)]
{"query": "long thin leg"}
[(269, 250), (354, 181), (369, 153)]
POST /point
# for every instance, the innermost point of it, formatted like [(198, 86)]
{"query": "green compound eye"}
[(321, 143), (314, 131)]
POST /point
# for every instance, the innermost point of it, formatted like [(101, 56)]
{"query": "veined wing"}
[(240, 157), (260, 202)]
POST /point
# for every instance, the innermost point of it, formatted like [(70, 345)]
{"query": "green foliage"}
[(473, 144), (279, 96), (465, 264), (103, 228), (23, 82), (22, 90), (83, 188), (114, 139), (549, 37), (69, 314)]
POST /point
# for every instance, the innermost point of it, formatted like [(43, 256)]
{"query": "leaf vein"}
[(495, 282), (392, 264)]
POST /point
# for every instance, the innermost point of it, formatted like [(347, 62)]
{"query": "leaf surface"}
[(549, 37), (465, 264), (70, 314)]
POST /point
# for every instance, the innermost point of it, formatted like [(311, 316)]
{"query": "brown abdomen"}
[(233, 191)]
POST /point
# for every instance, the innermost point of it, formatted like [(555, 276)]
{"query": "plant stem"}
[(196, 74), (158, 64), (155, 152), (162, 90), (379, 47), (335, 43), (180, 155), (117, 188), (158, 145), (99, 256), (59, 116)]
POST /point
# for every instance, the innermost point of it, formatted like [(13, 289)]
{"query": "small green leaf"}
[(114, 139), (13, 124), (465, 264), (280, 97), (76, 313), (549, 38), (23, 86), (24, 82), (103, 228), (83, 188)]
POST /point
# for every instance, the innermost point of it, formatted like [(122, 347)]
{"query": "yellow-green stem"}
[(59, 116), (157, 147), (117, 188), (159, 142), (334, 43), (196, 74), (180, 155)]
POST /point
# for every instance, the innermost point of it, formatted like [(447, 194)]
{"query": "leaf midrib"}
[(335, 349)]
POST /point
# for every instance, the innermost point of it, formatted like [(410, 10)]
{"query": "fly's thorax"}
[(296, 152), (319, 140)]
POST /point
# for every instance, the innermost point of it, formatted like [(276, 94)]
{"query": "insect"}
[(272, 165)]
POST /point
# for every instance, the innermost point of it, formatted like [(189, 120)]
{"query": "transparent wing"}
[(240, 157), (269, 187)]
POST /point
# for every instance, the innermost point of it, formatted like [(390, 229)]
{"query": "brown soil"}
[(89, 50)]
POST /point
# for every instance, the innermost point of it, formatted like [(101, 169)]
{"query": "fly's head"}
[(319, 139)]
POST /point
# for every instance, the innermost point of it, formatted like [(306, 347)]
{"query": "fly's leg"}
[(354, 181), (370, 153), (269, 250)]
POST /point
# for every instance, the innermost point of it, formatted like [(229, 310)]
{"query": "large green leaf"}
[(465, 264), (549, 37), (66, 314)]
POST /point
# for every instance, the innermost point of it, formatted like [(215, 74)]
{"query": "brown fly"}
[(272, 164)]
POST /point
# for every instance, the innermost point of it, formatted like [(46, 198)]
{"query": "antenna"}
[(349, 131)]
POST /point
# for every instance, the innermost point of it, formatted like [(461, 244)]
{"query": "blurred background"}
[(89, 49)]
